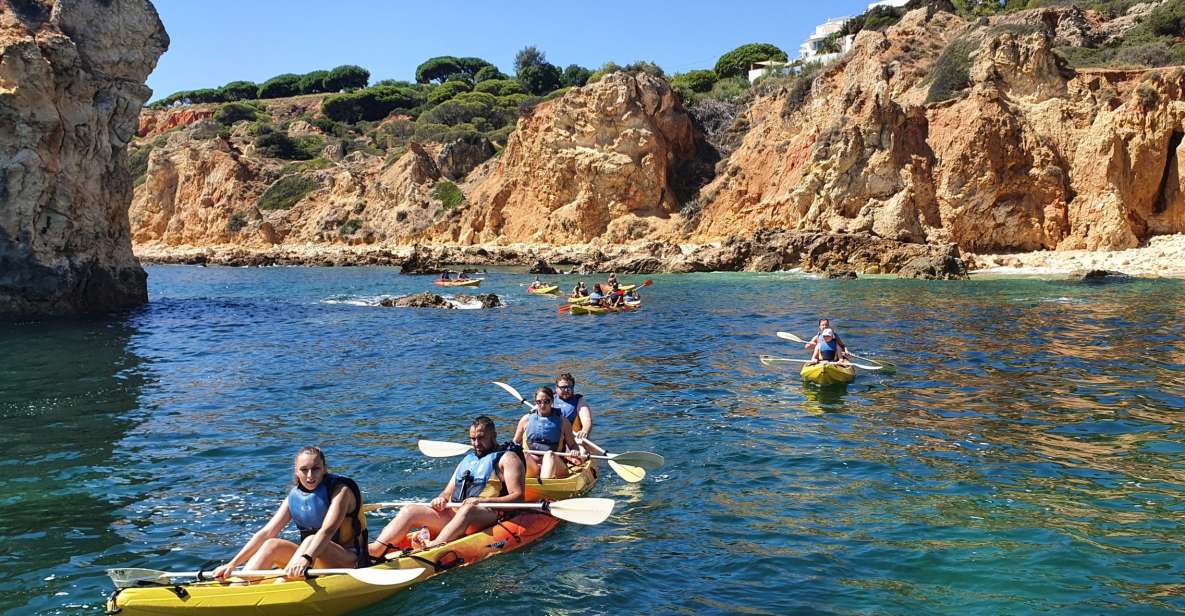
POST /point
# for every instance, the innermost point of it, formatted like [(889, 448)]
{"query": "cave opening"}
[(1169, 174)]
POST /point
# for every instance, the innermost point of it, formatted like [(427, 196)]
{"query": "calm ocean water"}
[(1027, 455)]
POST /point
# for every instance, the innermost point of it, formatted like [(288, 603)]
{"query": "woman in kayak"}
[(580, 290), (545, 429), (827, 348), (327, 509), (826, 324)]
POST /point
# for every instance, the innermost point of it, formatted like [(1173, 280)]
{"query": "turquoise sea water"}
[(1028, 455)]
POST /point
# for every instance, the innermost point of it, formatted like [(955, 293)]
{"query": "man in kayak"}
[(462, 275), (545, 429), (827, 348), (445, 275), (327, 509), (826, 324), (580, 290), (573, 406), (488, 474)]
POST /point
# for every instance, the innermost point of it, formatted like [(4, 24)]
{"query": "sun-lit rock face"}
[(72, 78)]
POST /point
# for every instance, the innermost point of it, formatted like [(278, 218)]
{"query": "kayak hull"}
[(475, 282), (828, 373), (584, 309), (544, 290), (336, 595)]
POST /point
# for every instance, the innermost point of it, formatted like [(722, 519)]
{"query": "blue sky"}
[(217, 41)]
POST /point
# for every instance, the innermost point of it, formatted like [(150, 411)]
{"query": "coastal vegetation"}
[(286, 192)]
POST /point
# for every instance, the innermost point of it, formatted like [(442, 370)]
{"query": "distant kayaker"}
[(535, 284), (545, 429), (827, 348), (580, 290), (613, 280), (445, 275), (573, 406), (462, 276), (826, 324), (486, 475), (595, 298), (327, 509)]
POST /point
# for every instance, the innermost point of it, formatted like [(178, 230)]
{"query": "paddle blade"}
[(589, 511), (442, 449), (512, 391), (127, 578), (632, 474), (645, 459), (770, 360), (648, 282), (565, 308), (376, 576), (372, 507), (791, 337)]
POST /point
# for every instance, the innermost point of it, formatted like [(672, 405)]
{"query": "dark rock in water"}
[(939, 264), (841, 274), (458, 158), (541, 267), (488, 300), (420, 262), (1101, 276), (426, 299)]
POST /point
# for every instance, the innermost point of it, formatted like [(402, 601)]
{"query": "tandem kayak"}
[(828, 373), (543, 290), (335, 595), (583, 309), (472, 282)]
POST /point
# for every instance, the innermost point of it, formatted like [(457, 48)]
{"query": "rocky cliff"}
[(71, 85), (936, 132), (1025, 155)]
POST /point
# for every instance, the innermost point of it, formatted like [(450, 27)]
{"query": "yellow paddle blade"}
[(442, 449), (512, 391), (589, 511), (645, 459), (632, 474), (791, 337)]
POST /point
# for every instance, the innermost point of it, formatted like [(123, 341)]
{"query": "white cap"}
[(828, 332)]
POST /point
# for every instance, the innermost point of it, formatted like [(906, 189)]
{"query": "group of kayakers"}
[(447, 275), (327, 508), (608, 294)]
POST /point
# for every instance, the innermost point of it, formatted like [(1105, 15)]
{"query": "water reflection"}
[(66, 392)]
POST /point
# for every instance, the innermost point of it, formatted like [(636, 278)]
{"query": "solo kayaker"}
[(573, 406), (826, 324), (535, 284), (827, 348), (327, 509), (485, 475), (545, 429)]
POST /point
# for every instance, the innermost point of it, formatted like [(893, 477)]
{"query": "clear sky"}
[(217, 41)]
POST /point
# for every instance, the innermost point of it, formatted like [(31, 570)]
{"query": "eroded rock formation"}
[(71, 86)]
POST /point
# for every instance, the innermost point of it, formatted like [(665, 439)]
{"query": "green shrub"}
[(239, 91), (528, 56), (736, 62), (369, 104), (306, 165), (488, 73), (539, 79), (951, 73), (443, 133), (350, 227), (729, 90), (696, 81), (499, 87), (448, 194), (437, 69), (574, 76), (274, 144), (138, 163), (236, 112), (313, 82), (1168, 19), (286, 192), (236, 222), (280, 86), (447, 90), (346, 77), (606, 68)]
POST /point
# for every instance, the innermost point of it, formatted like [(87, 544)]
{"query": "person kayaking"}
[(462, 275), (445, 275), (573, 406), (827, 348), (826, 324), (486, 475), (535, 284), (580, 290), (545, 429), (595, 298), (327, 509), (613, 280)]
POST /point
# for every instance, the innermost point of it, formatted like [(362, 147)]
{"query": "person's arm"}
[(270, 530), (584, 412), (816, 356), (441, 501), (520, 430), (343, 501), (814, 341)]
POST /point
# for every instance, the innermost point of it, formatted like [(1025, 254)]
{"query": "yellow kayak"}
[(828, 373), (335, 595), (471, 282), (543, 290)]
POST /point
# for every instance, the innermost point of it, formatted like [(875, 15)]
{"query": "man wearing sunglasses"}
[(573, 406)]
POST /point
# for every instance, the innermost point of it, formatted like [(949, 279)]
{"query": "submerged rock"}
[(1101, 276), (488, 300), (428, 299)]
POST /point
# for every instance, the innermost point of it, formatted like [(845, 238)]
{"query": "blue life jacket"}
[(308, 510), (568, 409), (827, 350), (474, 475), (544, 432)]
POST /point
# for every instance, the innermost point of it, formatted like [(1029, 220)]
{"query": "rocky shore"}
[(1162, 256)]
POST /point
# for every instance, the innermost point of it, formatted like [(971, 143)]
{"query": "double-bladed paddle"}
[(589, 511), (770, 360), (883, 365), (126, 578), (446, 449)]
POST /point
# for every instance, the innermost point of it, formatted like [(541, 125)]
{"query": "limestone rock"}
[(541, 267), (71, 86), (457, 158), (426, 299)]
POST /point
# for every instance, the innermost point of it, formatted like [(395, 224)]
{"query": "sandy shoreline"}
[(1163, 256)]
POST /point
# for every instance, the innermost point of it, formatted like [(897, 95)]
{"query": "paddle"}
[(126, 578), (769, 360), (588, 511), (648, 460), (568, 307), (792, 338), (445, 449), (632, 474)]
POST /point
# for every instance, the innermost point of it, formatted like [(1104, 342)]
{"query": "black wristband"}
[(308, 558)]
